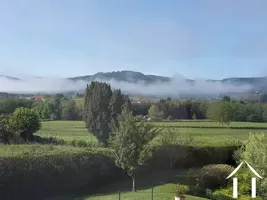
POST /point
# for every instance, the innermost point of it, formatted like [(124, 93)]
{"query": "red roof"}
[(37, 97)]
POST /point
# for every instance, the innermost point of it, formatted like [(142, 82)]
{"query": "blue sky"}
[(194, 38)]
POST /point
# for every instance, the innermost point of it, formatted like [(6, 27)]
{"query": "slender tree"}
[(131, 144)]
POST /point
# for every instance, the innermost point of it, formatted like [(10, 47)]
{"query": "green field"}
[(211, 133)]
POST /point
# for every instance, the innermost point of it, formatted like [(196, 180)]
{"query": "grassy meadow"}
[(203, 132)]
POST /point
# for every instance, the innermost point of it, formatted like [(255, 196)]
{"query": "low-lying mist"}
[(177, 86)]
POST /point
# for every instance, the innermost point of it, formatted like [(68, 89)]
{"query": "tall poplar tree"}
[(102, 108)]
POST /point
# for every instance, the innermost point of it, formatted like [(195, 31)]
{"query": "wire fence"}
[(142, 195)]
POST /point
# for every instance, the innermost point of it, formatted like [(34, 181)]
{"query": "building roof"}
[(37, 97)]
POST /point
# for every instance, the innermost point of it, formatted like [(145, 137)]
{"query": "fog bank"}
[(177, 86)]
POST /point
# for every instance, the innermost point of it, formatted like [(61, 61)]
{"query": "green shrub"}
[(226, 194), (214, 176), (54, 172), (180, 190)]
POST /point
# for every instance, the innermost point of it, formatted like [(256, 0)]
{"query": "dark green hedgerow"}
[(34, 176)]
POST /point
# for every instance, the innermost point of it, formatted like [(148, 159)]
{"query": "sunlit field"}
[(209, 134)]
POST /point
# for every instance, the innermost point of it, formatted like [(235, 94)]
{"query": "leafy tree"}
[(226, 98), (56, 106), (6, 132), (69, 110), (116, 105), (221, 112), (254, 152), (102, 109), (155, 113), (131, 144), (26, 122), (97, 116)]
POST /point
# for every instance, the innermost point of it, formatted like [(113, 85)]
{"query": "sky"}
[(211, 39)]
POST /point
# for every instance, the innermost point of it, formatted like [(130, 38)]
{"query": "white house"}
[(253, 181)]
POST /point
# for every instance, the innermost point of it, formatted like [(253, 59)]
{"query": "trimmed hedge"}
[(37, 176), (192, 157)]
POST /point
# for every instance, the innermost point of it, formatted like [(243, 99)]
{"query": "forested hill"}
[(258, 83)]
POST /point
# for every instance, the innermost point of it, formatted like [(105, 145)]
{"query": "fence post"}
[(152, 195), (119, 195)]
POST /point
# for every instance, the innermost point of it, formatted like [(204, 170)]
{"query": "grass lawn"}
[(209, 124), (163, 183), (75, 130), (159, 193), (67, 130)]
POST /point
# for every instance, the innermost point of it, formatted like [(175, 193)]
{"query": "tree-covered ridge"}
[(132, 76)]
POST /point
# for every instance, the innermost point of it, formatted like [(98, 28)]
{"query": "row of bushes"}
[(52, 173), (60, 141), (191, 156)]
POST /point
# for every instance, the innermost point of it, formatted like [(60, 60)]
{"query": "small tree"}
[(6, 133), (26, 122), (131, 143), (221, 112), (155, 113)]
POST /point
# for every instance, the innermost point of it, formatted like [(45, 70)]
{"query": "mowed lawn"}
[(160, 193), (163, 188), (212, 134), (67, 130)]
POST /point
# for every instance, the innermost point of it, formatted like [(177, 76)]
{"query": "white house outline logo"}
[(253, 181)]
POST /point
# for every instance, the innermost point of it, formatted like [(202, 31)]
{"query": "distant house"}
[(38, 98)]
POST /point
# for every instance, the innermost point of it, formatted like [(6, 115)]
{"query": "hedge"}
[(36, 176), (192, 157)]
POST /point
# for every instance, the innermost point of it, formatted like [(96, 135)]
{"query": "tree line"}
[(59, 107)]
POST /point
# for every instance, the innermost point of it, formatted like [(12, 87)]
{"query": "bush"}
[(213, 176), (52, 173), (226, 194), (180, 190)]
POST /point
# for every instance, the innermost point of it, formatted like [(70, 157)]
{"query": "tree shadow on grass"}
[(144, 181)]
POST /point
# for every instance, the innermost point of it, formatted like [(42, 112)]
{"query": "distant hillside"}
[(258, 83), (127, 76)]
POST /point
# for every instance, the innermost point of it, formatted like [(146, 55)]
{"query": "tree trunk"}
[(133, 188)]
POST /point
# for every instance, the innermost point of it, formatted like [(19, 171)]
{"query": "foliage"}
[(96, 110), (254, 152), (213, 176), (102, 108), (227, 194), (25, 122), (6, 132), (170, 139), (131, 143), (221, 112), (57, 170), (155, 113), (69, 110), (180, 190)]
